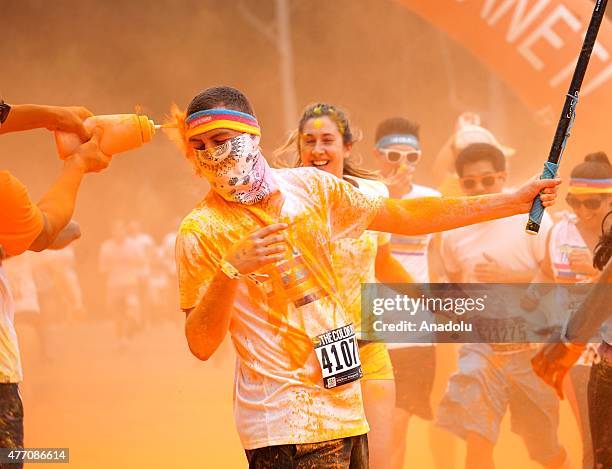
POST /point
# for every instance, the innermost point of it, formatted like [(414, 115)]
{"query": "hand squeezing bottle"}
[(122, 132)]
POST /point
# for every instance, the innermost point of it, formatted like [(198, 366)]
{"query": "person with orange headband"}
[(254, 258), (569, 260), (25, 225)]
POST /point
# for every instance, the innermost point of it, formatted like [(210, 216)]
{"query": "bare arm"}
[(593, 312), (207, 324), (57, 205), (70, 233), (33, 116), (454, 277), (388, 269), (434, 260), (433, 214)]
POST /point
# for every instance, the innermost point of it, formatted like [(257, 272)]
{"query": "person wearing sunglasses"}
[(468, 130), (569, 259), (592, 317), (397, 152), (495, 377), (574, 237), (324, 140)]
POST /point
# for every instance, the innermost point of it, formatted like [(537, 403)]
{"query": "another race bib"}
[(338, 355), (501, 330)]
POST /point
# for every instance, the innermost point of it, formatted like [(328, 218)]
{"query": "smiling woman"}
[(324, 139)]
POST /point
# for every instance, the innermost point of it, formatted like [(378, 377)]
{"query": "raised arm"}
[(34, 116), (57, 205), (433, 214)]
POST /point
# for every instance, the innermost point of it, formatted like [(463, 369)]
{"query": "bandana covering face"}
[(236, 169)]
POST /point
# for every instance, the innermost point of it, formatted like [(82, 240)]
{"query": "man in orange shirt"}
[(25, 225)]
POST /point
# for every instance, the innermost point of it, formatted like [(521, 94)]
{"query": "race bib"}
[(502, 330), (338, 355)]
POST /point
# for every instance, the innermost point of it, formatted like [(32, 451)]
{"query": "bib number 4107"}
[(338, 355)]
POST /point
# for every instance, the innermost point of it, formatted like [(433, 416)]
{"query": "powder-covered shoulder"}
[(300, 176), (308, 179), (202, 220)]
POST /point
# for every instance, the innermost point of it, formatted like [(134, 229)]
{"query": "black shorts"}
[(600, 407), (349, 453), (414, 369), (11, 420)]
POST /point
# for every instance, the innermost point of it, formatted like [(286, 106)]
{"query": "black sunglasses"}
[(575, 204), (487, 180)]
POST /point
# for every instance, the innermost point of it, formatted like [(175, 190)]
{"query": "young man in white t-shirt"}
[(493, 377), (397, 152), (254, 260)]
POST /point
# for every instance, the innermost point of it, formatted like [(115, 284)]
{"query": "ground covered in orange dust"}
[(152, 405)]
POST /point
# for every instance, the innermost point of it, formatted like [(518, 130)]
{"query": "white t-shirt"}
[(565, 238), (412, 253), (55, 276), (20, 274), (144, 245), (166, 252), (10, 361), (279, 393), (504, 240), (354, 258), (122, 262)]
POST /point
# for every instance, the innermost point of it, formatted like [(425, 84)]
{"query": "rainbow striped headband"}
[(590, 186), (203, 121)]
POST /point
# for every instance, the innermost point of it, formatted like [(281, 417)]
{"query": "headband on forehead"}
[(203, 121), (399, 139), (590, 186)]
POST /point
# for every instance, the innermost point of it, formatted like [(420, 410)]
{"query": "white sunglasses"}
[(395, 156)]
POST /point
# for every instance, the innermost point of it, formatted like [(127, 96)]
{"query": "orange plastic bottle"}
[(122, 132)]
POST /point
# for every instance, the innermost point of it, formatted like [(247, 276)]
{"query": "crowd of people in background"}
[(136, 277), (138, 281)]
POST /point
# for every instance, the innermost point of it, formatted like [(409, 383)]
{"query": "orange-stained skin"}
[(433, 214), (272, 336)]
